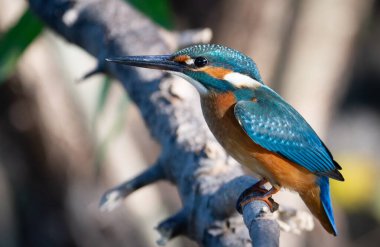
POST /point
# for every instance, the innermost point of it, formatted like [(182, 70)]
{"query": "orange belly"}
[(218, 110)]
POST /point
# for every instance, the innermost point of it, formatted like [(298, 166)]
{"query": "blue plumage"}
[(326, 201), (221, 56), (275, 125)]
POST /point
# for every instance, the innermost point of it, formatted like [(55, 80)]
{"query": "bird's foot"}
[(254, 189), (256, 192), (273, 206)]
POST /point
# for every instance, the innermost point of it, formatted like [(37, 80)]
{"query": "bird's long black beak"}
[(162, 62)]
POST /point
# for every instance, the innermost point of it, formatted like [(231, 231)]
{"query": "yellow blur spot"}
[(359, 188)]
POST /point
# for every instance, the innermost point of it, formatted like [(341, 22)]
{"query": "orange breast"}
[(218, 110)]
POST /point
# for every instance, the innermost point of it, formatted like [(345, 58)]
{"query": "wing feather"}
[(278, 127)]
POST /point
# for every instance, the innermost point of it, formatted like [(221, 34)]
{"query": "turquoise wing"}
[(275, 125)]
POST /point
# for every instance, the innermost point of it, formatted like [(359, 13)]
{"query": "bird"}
[(254, 124)]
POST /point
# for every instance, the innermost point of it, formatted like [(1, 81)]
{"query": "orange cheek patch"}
[(216, 72), (181, 59)]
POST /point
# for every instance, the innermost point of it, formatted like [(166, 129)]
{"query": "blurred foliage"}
[(358, 190), (117, 127), (102, 97), (14, 42), (158, 10), (376, 208)]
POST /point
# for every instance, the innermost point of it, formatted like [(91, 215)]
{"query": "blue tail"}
[(326, 202)]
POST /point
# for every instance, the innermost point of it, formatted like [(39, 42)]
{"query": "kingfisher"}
[(254, 124)]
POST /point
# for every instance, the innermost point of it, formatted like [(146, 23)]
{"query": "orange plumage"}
[(218, 110)]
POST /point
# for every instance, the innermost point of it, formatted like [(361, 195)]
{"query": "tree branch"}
[(208, 181), (262, 227), (114, 196), (173, 226)]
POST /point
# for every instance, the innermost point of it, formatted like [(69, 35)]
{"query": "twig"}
[(114, 196)]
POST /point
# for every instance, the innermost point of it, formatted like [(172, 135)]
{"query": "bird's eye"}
[(200, 61)]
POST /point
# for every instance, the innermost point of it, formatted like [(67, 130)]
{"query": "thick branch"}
[(227, 193), (261, 225), (193, 159)]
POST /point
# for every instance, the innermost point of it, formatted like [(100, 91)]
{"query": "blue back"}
[(275, 125)]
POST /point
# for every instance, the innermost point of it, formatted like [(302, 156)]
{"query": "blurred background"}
[(63, 143)]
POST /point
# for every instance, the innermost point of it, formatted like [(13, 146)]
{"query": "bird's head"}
[(210, 68)]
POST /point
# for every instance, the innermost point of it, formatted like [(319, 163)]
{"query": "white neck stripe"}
[(240, 80)]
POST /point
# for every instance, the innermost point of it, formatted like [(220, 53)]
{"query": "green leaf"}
[(14, 42), (158, 10)]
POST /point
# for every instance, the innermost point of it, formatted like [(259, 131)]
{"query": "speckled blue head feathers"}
[(225, 57)]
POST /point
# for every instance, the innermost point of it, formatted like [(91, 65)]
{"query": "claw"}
[(273, 206), (256, 192)]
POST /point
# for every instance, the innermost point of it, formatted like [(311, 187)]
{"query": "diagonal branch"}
[(191, 157)]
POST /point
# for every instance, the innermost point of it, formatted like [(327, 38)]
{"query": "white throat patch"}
[(200, 88), (240, 80)]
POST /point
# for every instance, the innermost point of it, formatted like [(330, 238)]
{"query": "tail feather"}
[(317, 199)]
